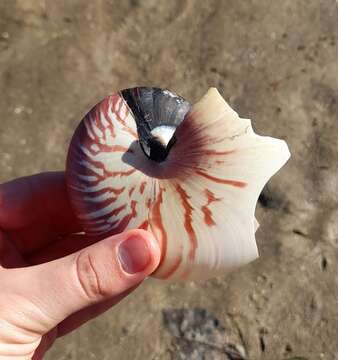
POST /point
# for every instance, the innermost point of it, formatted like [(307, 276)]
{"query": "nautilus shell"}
[(145, 158)]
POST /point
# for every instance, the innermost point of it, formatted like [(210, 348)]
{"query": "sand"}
[(276, 62)]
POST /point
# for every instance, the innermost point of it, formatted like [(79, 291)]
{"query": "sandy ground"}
[(275, 62)]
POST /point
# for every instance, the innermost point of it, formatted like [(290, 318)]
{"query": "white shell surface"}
[(199, 202)]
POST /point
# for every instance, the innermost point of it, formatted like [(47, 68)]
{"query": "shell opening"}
[(157, 113), (158, 144)]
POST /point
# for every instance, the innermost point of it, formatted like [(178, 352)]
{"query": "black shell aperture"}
[(158, 113)]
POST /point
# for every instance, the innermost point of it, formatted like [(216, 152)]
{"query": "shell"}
[(144, 158)]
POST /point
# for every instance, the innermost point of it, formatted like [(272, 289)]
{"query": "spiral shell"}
[(144, 158)]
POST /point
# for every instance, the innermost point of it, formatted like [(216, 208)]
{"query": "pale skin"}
[(52, 279)]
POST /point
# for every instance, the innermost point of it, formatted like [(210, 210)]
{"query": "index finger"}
[(40, 199)]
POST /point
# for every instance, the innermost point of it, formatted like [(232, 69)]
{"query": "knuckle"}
[(88, 278)]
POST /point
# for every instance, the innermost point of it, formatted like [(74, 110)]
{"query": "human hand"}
[(53, 279)]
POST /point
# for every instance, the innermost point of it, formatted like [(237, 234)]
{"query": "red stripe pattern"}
[(113, 186)]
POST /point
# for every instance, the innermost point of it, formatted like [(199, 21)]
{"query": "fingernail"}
[(134, 255)]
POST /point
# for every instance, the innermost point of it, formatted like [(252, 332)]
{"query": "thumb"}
[(100, 272)]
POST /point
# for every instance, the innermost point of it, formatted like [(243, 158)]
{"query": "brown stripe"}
[(157, 221), (142, 187), (188, 220), (131, 191), (235, 183), (208, 219), (214, 152)]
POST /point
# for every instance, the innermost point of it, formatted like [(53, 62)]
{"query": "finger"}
[(45, 344), (27, 200), (63, 247), (37, 208), (95, 274), (9, 255)]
